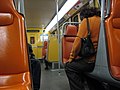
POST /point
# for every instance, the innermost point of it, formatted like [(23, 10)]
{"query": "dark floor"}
[(53, 80)]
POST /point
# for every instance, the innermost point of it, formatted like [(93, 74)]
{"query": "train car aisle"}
[(51, 80)]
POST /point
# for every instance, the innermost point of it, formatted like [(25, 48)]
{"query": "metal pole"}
[(58, 32), (22, 7), (18, 6), (102, 10)]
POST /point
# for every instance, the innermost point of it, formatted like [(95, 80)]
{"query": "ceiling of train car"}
[(40, 12)]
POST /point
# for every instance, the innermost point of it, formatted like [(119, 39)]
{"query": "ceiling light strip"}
[(66, 7)]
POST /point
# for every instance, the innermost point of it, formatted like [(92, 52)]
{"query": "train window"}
[(32, 40), (75, 19), (43, 37)]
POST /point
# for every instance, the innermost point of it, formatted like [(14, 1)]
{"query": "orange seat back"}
[(67, 42), (113, 38), (14, 66)]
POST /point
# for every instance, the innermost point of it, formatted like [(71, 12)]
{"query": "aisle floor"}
[(53, 80)]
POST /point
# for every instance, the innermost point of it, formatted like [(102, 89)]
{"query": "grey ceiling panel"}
[(40, 12)]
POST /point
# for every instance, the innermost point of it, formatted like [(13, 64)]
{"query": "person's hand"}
[(70, 60)]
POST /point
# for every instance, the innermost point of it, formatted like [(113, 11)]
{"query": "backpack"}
[(87, 48)]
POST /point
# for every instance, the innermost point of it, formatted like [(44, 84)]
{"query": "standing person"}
[(44, 53), (75, 68)]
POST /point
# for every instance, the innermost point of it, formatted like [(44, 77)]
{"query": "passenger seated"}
[(35, 68), (75, 68)]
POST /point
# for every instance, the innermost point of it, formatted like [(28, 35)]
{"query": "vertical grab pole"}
[(23, 10), (18, 6), (102, 10), (22, 7), (58, 31)]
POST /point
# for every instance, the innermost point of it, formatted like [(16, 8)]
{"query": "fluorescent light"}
[(67, 6)]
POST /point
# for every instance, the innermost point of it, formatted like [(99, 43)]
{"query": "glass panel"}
[(44, 37)]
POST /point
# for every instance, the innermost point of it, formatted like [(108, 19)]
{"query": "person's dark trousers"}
[(94, 84), (46, 64), (36, 73), (75, 73)]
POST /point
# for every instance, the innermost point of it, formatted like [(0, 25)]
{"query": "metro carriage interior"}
[(36, 42)]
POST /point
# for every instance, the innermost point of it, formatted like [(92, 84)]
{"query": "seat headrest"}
[(6, 6), (71, 30), (115, 8), (6, 19), (115, 14)]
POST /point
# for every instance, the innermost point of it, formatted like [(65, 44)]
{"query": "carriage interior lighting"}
[(66, 7)]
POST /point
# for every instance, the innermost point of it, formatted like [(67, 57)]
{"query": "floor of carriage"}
[(53, 80)]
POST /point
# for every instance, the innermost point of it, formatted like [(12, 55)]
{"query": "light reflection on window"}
[(44, 37)]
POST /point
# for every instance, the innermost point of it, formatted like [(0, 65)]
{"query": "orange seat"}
[(113, 38), (67, 42), (14, 68)]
